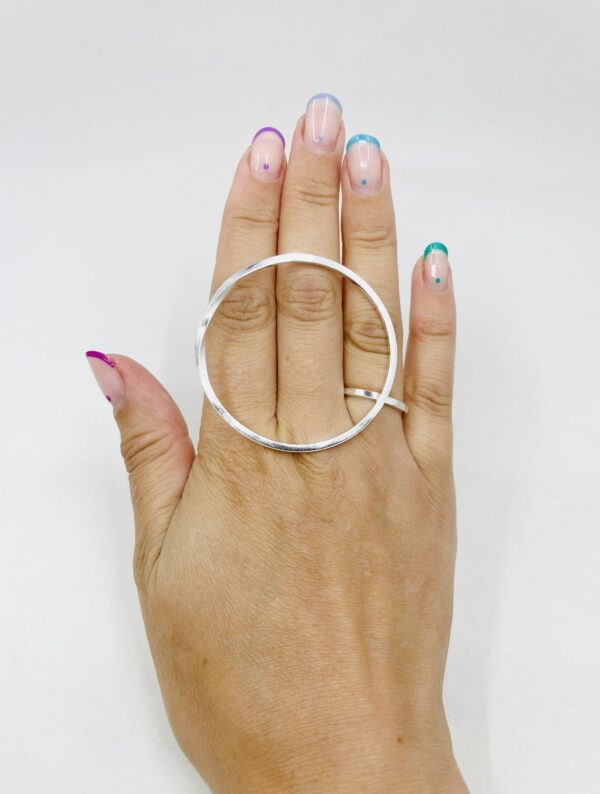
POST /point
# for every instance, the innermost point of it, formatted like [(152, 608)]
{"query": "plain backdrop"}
[(120, 126)]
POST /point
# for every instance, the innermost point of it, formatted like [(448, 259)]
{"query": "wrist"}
[(352, 765), (418, 773)]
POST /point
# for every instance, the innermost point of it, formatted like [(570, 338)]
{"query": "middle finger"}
[(309, 298)]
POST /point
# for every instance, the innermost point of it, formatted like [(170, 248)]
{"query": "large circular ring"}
[(274, 261)]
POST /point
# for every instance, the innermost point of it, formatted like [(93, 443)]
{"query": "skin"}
[(298, 607)]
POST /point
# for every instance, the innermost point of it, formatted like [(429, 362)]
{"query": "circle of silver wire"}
[(373, 395), (274, 261)]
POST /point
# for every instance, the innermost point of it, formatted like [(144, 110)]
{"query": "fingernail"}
[(107, 376), (435, 257), (363, 153), (322, 122), (266, 154)]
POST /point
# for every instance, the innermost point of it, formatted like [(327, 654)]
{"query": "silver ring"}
[(273, 261), (373, 395)]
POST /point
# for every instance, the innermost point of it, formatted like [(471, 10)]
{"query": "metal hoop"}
[(274, 261)]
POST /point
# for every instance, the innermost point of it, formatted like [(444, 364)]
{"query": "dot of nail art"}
[(437, 281), (108, 398), (363, 181), (266, 166)]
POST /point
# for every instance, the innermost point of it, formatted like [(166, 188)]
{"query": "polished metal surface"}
[(380, 399), (373, 395)]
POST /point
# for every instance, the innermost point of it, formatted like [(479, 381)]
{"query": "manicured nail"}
[(435, 257), (322, 122), (107, 376), (266, 154), (363, 153)]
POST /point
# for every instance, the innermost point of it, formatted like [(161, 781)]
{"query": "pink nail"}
[(322, 122), (363, 153), (435, 271), (266, 154), (108, 377)]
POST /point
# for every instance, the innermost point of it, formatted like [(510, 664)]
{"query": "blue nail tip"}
[(333, 98), (362, 137), (435, 247)]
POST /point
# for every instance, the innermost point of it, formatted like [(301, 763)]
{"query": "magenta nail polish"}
[(267, 154), (435, 269), (107, 376)]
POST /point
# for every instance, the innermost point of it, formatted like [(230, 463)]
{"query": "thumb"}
[(156, 448)]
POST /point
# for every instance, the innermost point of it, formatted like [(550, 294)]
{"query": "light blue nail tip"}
[(435, 247), (362, 137), (333, 98)]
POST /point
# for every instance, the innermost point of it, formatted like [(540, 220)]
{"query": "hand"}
[(298, 607)]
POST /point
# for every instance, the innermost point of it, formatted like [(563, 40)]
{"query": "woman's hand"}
[(298, 607)]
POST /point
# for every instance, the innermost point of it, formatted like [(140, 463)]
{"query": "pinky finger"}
[(429, 367)]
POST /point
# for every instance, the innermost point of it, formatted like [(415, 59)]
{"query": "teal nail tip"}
[(435, 247), (362, 137), (333, 98)]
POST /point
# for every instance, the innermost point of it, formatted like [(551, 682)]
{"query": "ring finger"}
[(369, 246)]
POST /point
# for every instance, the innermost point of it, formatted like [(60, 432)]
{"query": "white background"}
[(121, 123)]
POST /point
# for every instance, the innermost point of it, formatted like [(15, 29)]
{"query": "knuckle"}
[(324, 478), (367, 334), (247, 307), (141, 448), (432, 395), (431, 328), (312, 191), (309, 297), (244, 221), (376, 237)]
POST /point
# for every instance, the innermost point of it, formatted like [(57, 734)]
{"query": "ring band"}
[(273, 261), (373, 395)]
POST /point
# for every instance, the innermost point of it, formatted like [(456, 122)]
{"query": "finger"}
[(369, 248), (309, 304), (156, 447), (429, 365), (241, 340)]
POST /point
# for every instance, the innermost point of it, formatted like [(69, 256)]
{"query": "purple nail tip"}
[(269, 129), (101, 356)]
